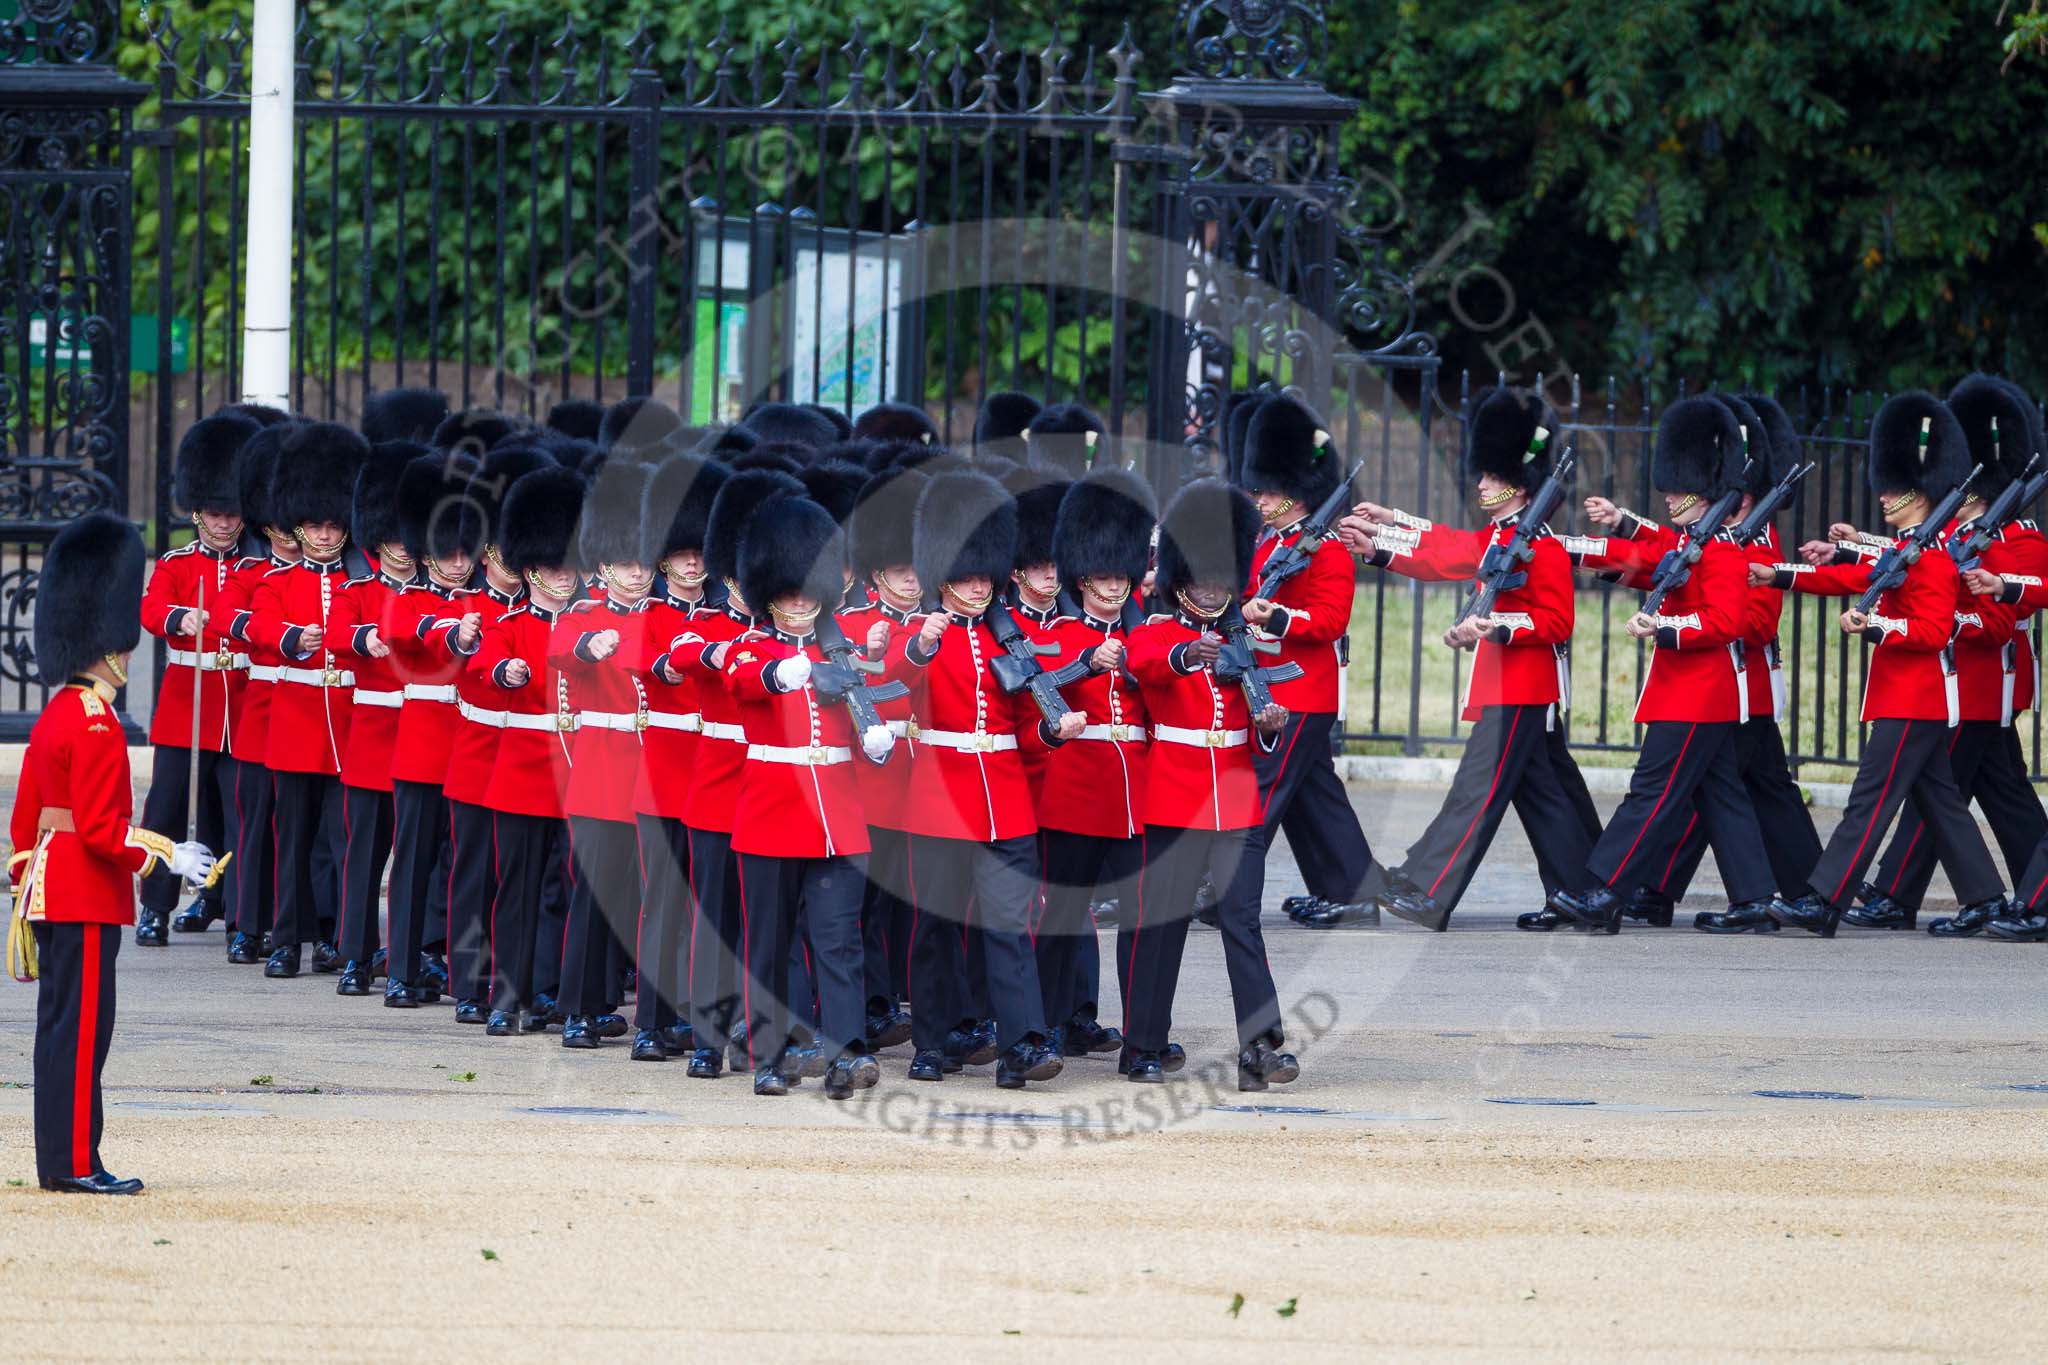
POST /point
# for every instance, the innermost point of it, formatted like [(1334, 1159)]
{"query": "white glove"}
[(876, 741), (793, 672), (193, 862)]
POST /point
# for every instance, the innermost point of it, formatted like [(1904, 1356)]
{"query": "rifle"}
[(842, 677), (1018, 669), (2020, 493), (1752, 528), (1890, 568), (1236, 664), (1676, 565), (1289, 560), (1500, 570)]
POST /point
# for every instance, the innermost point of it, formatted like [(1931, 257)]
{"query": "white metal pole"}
[(267, 283)]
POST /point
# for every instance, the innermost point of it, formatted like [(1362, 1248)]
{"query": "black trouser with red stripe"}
[(1989, 768), (1905, 761), (74, 1026), (826, 893), (524, 850), (664, 922), (604, 908), (472, 882), (1790, 842), (1685, 767), (996, 883), (1298, 780), (1079, 869), (716, 931), (366, 833), (254, 871), (420, 825), (306, 822), (163, 811), (1176, 860), (885, 919), (1511, 758)]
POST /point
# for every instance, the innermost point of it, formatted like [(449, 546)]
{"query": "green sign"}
[(717, 361), (142, 356)]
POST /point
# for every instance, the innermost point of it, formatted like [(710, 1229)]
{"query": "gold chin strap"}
[(604, 571), (1892, 506), (796, 622), (1114, 599), (1488, 501), (1188, 605), (687, 580), (491, 556), (974, 605), (1685, 504), (120, 670)]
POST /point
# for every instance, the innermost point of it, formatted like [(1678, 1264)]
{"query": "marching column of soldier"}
[(819, 739)]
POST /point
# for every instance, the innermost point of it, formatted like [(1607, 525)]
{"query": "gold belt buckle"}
[(222, 660), (814, 754), (640, 720), (564, 721), (1119, 733), (330, 677), (910, 730), (1213, 738), (986, 743)]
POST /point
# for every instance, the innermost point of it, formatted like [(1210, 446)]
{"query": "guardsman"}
[(1202, 798), (202, 667), (373, 722), (1995, 672), (697, 655), (1693, 698), (302, 612), (1290, 466), (973, 833), (672, 524), (1091, 793), (879, 541), (76, 854), (1518, 682), (799, 833), (529, 705), (1918, 454)]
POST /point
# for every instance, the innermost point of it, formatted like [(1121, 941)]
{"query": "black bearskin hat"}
[(790, 423), (842, 425), (1206, 536), (835, 486), (895, 422), (1038, 512), (2037, 431), (255, 468), (1237, 419), (403, 415), (205, 480), (436, 517), (1784, 444), (882, 531), (501, 468), (1699, 448), (637, 423), (610, 533), (1065, 439), (1105, 527), (726, 442), (577, 417), (966, 527), (1900, 461), (792, 545), (773, 456), (1510, 435), (262, 414), (1756, 436), (1000, 425), (537, 529), (474, 430), (1287, 449), (315, 478), (1994, 421), (677, 513), (373, 514), (742, 496), (88, 597)]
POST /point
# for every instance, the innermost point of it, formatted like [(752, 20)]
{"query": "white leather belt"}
[(718, 729), (264, 672), (690, 722), (1118, 734), (365, 697), (978, 742), (429, 692), (318, 677), (550, 721), (206, 663), (816, 756), (1201, 739), (902, 729), (468, 711), (622, 722)]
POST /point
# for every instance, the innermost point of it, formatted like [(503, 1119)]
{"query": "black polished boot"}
[(2019, 924), (283, 962), (1880, 911), (1651, 907), (1106, 913), (1746, 918), (1333, 915), (1142, 1068), (678, 1039), (243, 951), (149, 929), (927, 1066), (608, 1025), (1403, 899), (1969, 921), (1294, 907), (1540, 921), (1597, 908), (1028, 1059), (326, 958), (1808, 912), (707, 1064), (470, 1012), (577, 1033), (355, 980), (647, 1047), (99, 1182), (197, 917), (1263, 1064), (399, 996), (501, 1024), (887, 1026)]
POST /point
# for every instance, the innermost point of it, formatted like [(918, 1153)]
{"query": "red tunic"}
[(311, 703), (715, 780), (1994, 656), (608, 707), (884, 789), (173, 592), (1317, 604), (967, 780), (373, 719), (668, 753), (1096, 784), (252, 708), (1908, 631), (1201, 774), (479, 703), (531, 766), (1524, 662), (798, 794), (420, 624), (77, 764)]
